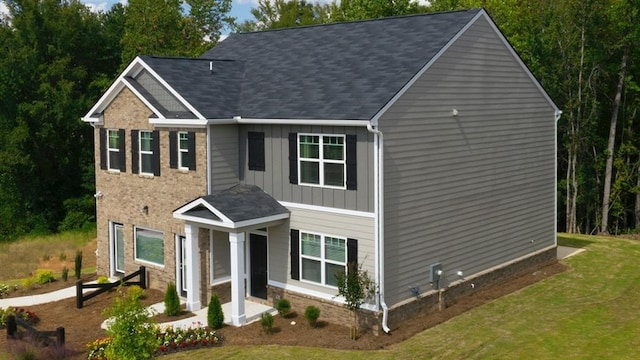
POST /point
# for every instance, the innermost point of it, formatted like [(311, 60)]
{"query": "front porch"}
[(253, 311), (239, 212)]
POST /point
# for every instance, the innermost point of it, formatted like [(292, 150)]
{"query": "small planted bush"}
[(102, 280), (29, 283), (215, 315), (4, 290), (135, 292), (266, 320), (171, 301), (283, 306), (44, 276), (65, 273), (312, 314), (78, 264)]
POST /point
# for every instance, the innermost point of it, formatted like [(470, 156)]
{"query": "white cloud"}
[(102, 6), (4, 10)]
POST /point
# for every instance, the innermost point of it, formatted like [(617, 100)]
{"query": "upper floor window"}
[(112, 151), (256, 150), (325, 160), (182, 145), (145, 152)]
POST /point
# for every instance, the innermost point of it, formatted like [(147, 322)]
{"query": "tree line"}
[(58, 58)]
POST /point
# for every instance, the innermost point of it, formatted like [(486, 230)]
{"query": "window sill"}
[(146, 176)]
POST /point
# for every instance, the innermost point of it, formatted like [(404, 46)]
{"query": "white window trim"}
[(321, 160), (144, 152), (112, 150), (135, 245), (181, 151), (323, 260), (114, 226)]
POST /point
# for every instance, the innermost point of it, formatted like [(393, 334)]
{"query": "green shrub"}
[(78, 264), (44, 276), (62, 257), (46, 257), (312, 314), (283, 306), (65, 273), (4, 290), (215, 315), (102, 280), (135, 292), (29, 283), (171, 301), (266, 320), (133, 336)]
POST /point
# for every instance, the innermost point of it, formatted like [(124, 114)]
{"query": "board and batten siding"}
[(472, 191), (224, 158), (275, 179), (356, 227)]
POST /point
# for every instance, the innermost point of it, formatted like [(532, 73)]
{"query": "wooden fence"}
[(81, 297), (42, 337)]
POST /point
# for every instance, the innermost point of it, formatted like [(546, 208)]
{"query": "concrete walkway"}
[(253, 310), (565, 252)]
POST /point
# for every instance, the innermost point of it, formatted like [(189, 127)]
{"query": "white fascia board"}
[(165, 122), (201, 202), (173, 91), (519, 61), (260, 221), (331, 210), (332, 122)]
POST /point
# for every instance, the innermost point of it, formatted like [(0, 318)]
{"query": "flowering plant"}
[(25, 315), (170, 340), (4, 290)]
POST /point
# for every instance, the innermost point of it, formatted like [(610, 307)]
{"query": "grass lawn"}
[(591, 311), (20, 258)]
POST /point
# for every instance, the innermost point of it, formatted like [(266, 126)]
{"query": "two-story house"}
[(420, 147)]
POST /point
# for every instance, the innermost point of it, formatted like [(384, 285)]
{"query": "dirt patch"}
[(83, 325)]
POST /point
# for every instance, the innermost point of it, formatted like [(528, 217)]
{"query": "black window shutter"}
[(155, 162), (173, 149), (352, 251), (352, 168), (134, 152), (256, 151), (103, 148), (122, 149), (293, 158), (295, 254), (191, 139)]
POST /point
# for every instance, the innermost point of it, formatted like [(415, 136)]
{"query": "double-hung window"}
[(182, 150), (146, 152), (322, 160), (113, 147), (322, 258), (112, 151)]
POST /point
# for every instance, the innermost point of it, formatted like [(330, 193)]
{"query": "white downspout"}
[(379, 219)]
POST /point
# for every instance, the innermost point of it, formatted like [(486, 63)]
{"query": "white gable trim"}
[(180, 212), (481, 13), (134, 68)]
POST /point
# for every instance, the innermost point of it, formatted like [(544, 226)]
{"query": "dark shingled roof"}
[(241, 202), (341, 71)]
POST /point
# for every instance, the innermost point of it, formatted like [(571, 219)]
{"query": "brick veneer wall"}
[(125, 194), (428, 302)]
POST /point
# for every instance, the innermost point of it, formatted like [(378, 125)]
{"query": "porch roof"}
[(241, 206)]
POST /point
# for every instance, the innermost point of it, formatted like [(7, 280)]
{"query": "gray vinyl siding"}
[(221, 253), (275, 179), (224, 156), (339, 225), (160, 93), (474, 191)]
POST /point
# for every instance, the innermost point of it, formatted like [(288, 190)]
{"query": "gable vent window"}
[(145, 152), (112, 150), (323, 160), (256, 151), (182, 147)]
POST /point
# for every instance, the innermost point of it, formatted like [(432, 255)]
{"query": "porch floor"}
[(253, 311)]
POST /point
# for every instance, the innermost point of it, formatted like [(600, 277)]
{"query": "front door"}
[(258, 262), (182, 266)]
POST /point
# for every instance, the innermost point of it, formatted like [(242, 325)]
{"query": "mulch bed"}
[(83, 325)]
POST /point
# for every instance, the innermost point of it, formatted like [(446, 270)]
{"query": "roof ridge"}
[(337, 23)]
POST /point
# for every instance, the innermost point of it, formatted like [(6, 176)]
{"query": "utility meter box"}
[(434, 273)]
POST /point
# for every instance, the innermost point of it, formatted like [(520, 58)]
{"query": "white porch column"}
[(238, 316), (192, 261)]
